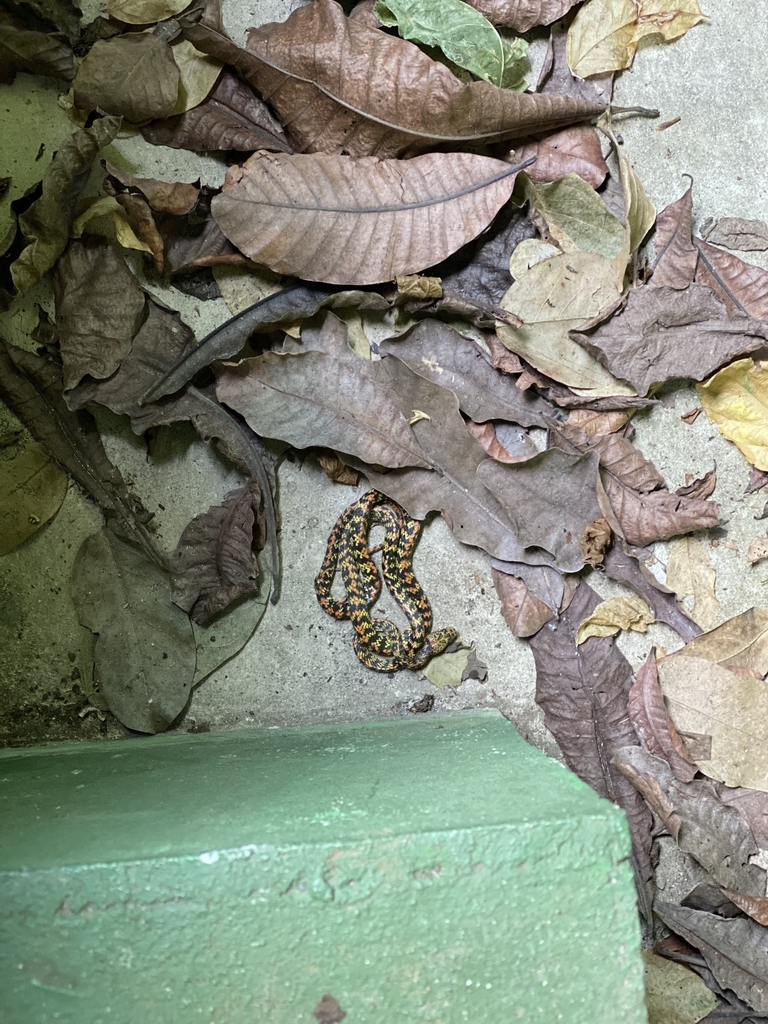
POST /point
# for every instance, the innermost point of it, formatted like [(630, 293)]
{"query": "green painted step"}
[(431, 869)]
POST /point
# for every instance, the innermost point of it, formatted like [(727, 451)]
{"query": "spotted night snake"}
[(378, 643)]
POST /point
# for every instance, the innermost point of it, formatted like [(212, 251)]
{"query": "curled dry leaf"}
[(341, 86), (32, 488), (176, 197), (145, 652), (505, 442), (701, 825), (346, 221), (438, 352), (133, 76), (197, 75), (690, 573), (213, 564), (654, 728), (611, 616), (605, 33), (702, 487), (33, 389), (46, 223), (574, 150), (736, 399), (98, 306), (755, 906), (522, 15), (556, 296), (738, 233), (106, 217), (742, 286), (676, 255), (736, 949), (231, 117), (666, 333), (583, 691)]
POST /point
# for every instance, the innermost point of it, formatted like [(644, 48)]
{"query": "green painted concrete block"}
[(434, 869)]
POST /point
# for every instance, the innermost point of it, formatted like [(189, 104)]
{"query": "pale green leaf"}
[(462, 33), (571, 206)]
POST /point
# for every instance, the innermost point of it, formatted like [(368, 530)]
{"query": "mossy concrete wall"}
[(436, 869)]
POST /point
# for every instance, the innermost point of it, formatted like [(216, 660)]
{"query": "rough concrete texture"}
[(438, 869), (299, 666)]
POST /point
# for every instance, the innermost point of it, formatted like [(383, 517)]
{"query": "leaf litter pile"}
[(389, 165)]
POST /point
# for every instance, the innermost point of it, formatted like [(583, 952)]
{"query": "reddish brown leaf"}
[(522, 14), (676, 256), (347, 221), (648, 714), (523, 611), (340, 86), (583, 691), (573, 150), (701, 487), (740, 285), (213, 564), (177, 197), (139, 215), (755, 906), (231, 117)]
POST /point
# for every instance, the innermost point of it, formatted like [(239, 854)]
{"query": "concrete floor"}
[(299, 666)]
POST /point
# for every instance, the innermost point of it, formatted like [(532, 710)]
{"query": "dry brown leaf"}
[(573, 150), (691, 574), (742, 286), (176, 197), (347, 221), (36, 53), (705, 698), (738, 643), (523, 611), (676, 255), (133, 75), (655, 730), (755, 906), (597, 424), (701, 487), (340, 86), (611, 616), (98, 306), (738, 233), (32, 488), (522, 15)]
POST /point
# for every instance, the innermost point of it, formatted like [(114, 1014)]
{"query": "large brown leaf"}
[(438, 352), (742, 286), (574, 150), (347, 221), (341, 86), (522, 14), (676, 255), (701, 825), (231, 117), (666, 333), (583, 691), (736, 949), (98, 305), (133, 75)]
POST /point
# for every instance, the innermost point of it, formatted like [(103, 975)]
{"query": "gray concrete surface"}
[(300, 667)]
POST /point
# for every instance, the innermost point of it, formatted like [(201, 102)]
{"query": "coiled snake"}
[(378, 643)]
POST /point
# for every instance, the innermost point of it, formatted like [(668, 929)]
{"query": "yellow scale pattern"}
[(378, 643)]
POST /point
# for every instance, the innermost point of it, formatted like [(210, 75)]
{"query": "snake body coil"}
[(378, 643)]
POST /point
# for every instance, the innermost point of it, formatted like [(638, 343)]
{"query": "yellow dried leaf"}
[(32, 488), (448, 669), (415, 286), (108, 206), (639, 212), (732, 708), (605, 33), (691, 574), (611, 616), (736, 399), (197, 75)]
